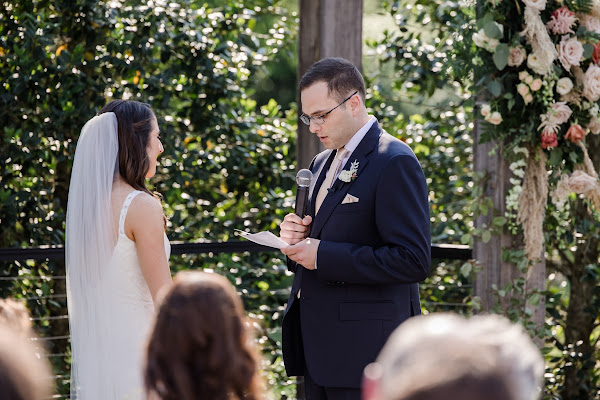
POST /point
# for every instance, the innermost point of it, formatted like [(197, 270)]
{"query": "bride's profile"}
[(116, 251)]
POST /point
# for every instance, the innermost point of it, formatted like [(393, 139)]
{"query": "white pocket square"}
[(350, 199)]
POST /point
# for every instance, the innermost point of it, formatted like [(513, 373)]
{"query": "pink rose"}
[(560, 112), (570, 51), (591, 83), (591, 23), (536, 85), (575, 133), (522, 89), (580, 182), (516, 56), (549, 139), (562, 21)]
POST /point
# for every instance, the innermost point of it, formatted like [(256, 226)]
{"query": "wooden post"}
[(328, 28), (489, 255)]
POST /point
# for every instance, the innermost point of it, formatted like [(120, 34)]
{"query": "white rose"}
[(528, 98), (591, 83), (485, 110), (492, 44), (594, 126), (534, 62), (570, 51), (580, 182), (536, 4), (494, 118), (564, 86), (516, 56), (480, 39), (594, 110)]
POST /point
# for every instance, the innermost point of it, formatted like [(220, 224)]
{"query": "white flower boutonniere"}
[(349, 175)]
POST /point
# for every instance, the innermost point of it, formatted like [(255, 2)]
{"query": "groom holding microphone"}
[(363, 245)]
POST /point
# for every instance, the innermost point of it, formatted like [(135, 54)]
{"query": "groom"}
[(365, 244)]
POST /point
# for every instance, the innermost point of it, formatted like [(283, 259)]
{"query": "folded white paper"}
[(265, 238)]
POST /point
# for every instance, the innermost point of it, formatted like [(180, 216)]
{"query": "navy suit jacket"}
[(371, 256)]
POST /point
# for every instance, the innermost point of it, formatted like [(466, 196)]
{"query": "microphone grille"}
[(304, 177)]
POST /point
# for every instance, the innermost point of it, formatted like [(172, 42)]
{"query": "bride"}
[(116, 251)]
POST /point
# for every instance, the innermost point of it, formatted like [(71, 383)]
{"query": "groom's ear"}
[(370, 382)]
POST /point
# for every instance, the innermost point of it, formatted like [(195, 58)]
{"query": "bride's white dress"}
[(120, 370)]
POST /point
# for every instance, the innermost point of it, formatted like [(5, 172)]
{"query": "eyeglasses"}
[(320, 119)]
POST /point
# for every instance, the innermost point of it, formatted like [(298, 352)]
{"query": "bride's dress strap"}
[(124, 209)]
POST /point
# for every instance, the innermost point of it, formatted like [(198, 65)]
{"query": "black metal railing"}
[(438, 251)]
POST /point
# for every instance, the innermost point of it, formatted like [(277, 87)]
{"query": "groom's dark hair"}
[(341, 76)]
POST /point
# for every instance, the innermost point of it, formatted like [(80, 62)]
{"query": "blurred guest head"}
[(449, 357), (24, 370), (200, 347), (14, 314)]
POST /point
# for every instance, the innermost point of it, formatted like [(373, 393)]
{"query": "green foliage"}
[(226, 164)]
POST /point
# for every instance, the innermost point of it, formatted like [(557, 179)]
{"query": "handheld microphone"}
[(303, 179)]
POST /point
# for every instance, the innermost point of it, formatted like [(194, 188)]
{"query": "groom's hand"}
[(304, 252), (294, 229)]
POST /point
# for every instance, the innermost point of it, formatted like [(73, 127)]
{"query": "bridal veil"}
[(90, 239)]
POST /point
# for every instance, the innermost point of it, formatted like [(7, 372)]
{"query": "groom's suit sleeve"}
[(401, 217)]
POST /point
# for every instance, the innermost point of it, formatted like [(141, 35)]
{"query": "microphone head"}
[(304, 177)]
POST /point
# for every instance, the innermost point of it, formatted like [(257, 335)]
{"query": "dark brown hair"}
[(340, 75), (135, 125), (200, 347)]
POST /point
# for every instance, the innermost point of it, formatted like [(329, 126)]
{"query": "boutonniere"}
[(351, 174)]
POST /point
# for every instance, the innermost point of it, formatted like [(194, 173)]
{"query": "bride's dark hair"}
[(200, 347), (134, 121)]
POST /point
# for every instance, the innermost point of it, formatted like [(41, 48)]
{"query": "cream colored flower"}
[(564, 86), (534, 62), (580, 182), (494, 118), (485, 110), (594, 125)]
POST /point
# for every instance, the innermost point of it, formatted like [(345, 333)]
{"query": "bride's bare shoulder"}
[(144, 205)]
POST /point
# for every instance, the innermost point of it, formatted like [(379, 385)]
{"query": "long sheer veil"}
[(90, 241)]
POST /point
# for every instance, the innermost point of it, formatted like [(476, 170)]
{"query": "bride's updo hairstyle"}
[(134, 121), (200, 347)]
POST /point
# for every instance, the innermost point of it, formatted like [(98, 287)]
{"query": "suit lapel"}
[(340, 188)]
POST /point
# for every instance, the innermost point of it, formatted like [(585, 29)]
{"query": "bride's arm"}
[(145, 223)]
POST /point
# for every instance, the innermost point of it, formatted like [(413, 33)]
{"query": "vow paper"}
[(265, 238)]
